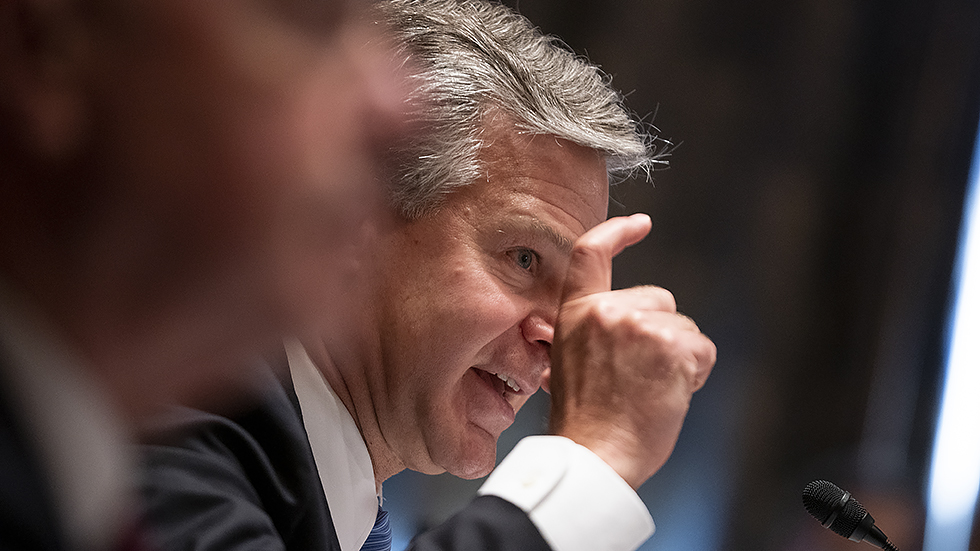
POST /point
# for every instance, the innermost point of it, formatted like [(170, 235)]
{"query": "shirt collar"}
[(342, 458)]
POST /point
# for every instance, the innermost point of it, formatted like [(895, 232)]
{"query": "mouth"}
[(510, 382), (493, 407), (502, 383)]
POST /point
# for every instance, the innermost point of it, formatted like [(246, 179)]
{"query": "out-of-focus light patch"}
[(400, 541), (955, 477)]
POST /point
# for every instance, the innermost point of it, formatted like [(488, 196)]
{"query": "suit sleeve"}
[(488, 523)]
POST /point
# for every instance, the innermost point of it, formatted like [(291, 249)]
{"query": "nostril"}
[(537, 330)]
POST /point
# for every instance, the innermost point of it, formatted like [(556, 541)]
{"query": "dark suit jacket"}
[(219, 484), (28, 521)]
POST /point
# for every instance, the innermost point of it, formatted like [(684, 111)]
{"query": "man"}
[(178, 179), (497, 269)]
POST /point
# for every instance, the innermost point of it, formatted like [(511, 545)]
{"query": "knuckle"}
[(667, 299), (666, 337), (602, 310), (658, 335), (689, 322), (658, 298)]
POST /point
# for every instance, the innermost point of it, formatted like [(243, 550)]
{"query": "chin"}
[(472, 463), (469, 472)]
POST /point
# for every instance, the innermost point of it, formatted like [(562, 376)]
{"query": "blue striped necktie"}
[(380, 537)]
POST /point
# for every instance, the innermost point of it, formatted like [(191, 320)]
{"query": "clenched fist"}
[(625, 363)]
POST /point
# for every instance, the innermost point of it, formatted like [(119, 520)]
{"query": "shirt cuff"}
[(576, 500)]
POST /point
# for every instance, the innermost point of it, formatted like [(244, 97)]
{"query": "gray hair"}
[(472, 58)]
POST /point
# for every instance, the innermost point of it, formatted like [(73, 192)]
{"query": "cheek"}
[(324, 136), (474, 315), (441, 309), (310, 179), (437, 332)]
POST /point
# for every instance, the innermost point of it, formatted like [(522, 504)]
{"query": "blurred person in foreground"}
[(494, 280), (178, 180)]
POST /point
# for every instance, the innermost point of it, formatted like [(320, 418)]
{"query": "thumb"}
[(546, 380), (590, 268)]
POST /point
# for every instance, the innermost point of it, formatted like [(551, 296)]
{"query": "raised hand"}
[(624, 363)]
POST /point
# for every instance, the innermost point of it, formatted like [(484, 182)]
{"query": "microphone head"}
[(822, 499)]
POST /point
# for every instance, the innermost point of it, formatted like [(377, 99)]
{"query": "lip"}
[(497, 413)]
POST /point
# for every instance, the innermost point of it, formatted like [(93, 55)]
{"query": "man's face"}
[(239, 139), (470, 296)]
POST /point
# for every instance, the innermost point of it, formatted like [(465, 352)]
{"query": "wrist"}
[(616, 450)]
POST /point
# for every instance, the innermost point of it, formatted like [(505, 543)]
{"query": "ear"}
[(43, 56)]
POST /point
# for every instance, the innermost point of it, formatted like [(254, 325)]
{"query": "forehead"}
[(544, 174)]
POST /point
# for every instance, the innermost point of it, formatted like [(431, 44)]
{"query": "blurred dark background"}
[(808, 223)]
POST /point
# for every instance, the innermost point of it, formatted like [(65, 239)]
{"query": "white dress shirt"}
[(576, 500), (79, 438), (345, 470)]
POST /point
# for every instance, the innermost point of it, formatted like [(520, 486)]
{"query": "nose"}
[(538, 331)]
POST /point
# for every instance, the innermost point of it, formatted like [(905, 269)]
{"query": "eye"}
[(526, 259)]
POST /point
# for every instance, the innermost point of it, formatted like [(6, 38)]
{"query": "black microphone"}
[(837, 510)]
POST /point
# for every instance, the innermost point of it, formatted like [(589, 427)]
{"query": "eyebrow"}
[(539, 230)]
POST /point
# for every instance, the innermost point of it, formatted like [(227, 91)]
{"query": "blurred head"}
[(512, 168), (182, 178)]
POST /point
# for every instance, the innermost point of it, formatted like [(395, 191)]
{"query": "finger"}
[(646, 297), (689, 321), (705, 354), (590, 268)]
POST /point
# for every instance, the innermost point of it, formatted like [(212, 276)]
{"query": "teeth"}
[(510, 382)]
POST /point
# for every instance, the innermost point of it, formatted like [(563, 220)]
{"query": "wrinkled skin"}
[(510, 276)]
